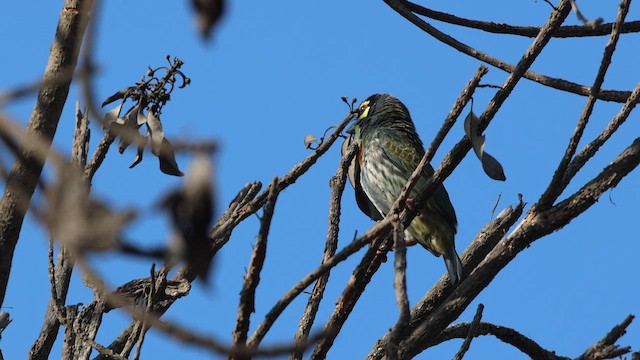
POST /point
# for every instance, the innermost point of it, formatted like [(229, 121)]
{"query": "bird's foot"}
[(381, 255), (408, 204)]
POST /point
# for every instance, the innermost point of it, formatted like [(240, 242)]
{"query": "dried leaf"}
[(129, 128), (490, 165), (471, 123), (117, 96), (157, 133), (167, 158), (112, 115), (141, 145), (309, 140), (140, 118)]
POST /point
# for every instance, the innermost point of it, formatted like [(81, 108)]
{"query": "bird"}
[(389, 150)]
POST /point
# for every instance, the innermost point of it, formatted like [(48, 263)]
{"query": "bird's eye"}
[(363, 111)]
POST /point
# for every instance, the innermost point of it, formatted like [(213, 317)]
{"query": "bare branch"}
[(400, 285), (533, 227), (473, 332), (528, 31), (61, 278), (606, 348), (351, 248), (483, 243), (252, 278), (42, 125), (559, 181), (505, 334), (590, 149)]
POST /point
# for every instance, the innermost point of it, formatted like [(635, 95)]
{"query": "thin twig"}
[(98, 156), (150, 300), (495, 206), (606, 348), (590, 149), (473, 332), (568, 31), (288, 179)]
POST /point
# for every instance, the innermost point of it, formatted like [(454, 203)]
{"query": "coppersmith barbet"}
[(389, 150)]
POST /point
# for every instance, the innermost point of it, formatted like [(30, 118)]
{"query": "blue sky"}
[(274, 73)]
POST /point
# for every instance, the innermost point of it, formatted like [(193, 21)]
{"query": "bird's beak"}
[(352, 129)]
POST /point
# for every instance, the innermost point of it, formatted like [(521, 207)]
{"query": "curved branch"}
[(570, 31), (505, 334), (400, 7)]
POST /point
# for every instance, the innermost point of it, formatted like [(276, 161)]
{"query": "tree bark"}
[(43, 122)]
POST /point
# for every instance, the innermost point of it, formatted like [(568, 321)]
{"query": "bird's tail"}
[(454, 266)]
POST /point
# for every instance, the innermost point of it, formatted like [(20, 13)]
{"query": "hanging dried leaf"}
[(167, 158), (161, 147), (156, 132), (126, 128), (310, 140), (112, 115), (141, 145), (490, 165)]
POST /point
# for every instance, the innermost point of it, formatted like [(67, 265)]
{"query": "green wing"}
[(406, 156)]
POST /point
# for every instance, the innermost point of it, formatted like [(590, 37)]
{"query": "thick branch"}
[(42, 126)]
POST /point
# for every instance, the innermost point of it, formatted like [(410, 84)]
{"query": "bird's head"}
[(381, 111)]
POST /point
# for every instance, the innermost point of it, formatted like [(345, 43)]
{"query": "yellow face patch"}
[(363, 109)]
